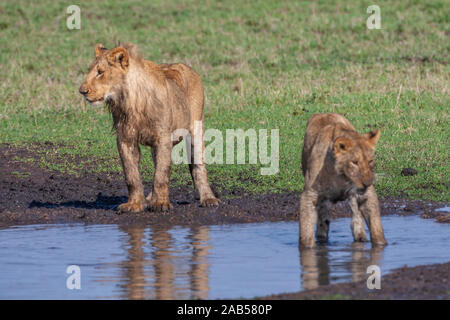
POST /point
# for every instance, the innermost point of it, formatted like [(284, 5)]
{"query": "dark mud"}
[(421, 282), (30, 194)]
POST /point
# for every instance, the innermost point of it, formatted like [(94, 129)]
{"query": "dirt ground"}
[(421, 282), (41, 196)]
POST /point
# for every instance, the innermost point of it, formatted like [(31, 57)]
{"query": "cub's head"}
[(106, 74), (355, 158)]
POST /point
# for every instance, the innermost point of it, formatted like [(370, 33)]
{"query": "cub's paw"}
[(360, 238), (133, 206), (307, 242), (378, 242), (322, 239), (210, 202), (159, 206)]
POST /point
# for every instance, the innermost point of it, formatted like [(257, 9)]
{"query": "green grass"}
[(336, 296), (265, 64)]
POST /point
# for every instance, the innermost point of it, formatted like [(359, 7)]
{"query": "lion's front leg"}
[(158, 200), (308, 218), (357, 224), (130, 156), (369, 207)]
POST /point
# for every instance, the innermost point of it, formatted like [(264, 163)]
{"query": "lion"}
[(337, 163), (149, 102)]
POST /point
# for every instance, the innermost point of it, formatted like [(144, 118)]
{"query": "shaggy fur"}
[(337, 163), (148, 103)]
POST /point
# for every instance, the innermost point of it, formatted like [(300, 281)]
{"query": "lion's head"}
[(355, 158), (106, 74)]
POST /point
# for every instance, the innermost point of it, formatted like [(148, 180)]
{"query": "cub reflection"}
[(316, 269)]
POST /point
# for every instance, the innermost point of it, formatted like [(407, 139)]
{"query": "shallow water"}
[(230, 261), (445, 209)]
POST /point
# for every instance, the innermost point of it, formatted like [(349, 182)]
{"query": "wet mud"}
[(30, 194)]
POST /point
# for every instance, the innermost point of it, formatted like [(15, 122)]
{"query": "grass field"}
[(265, 64)]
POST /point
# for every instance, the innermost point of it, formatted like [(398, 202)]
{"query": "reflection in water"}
[(315, 263), (165, 283), (133, 267), (199, 263), (231, 261), (164, 261), (362, 258), (315, 267)]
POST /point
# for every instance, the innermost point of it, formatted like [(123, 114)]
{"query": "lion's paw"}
[(210, 202), (159, 206), (134, 206)]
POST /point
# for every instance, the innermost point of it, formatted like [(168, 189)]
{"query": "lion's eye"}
[(355, 163), (99, 72)]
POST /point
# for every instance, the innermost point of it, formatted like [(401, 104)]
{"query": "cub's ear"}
[(373, 136), (342, 146), (119, 56), (99, 50)]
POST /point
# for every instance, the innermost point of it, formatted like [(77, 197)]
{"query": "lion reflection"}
[(154, 269)]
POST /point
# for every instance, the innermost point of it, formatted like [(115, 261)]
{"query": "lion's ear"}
[(342, 146), (373, 136), (119, 56), (99, 50)]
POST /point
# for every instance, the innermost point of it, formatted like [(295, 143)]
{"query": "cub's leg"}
[(198, 170), (323, 222), (369, 207), (158, 200), (130, 156), (357, 224), (308, 218)]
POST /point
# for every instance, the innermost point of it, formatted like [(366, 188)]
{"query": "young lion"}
[(337, 163), (148, 103)]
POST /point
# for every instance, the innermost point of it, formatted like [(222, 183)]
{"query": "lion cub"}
[(337, 163), (148, 103)]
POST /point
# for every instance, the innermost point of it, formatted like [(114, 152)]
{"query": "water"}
[(445, 209), (230, 261)]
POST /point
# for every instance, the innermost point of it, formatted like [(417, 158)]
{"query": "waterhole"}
[(207, 262)]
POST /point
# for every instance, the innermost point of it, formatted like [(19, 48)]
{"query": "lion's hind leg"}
[(199, 175), (323, 222)]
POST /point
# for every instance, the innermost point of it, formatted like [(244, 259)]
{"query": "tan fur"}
[(148, 103), (337, 163)]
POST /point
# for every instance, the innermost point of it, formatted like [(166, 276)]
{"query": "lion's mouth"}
[(361, 190), (93, 101)]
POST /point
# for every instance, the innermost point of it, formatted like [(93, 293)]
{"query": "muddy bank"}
[(421, 282), (32, 195)]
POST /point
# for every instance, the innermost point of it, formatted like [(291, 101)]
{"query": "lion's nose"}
[(368, 181), (84, 90)]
